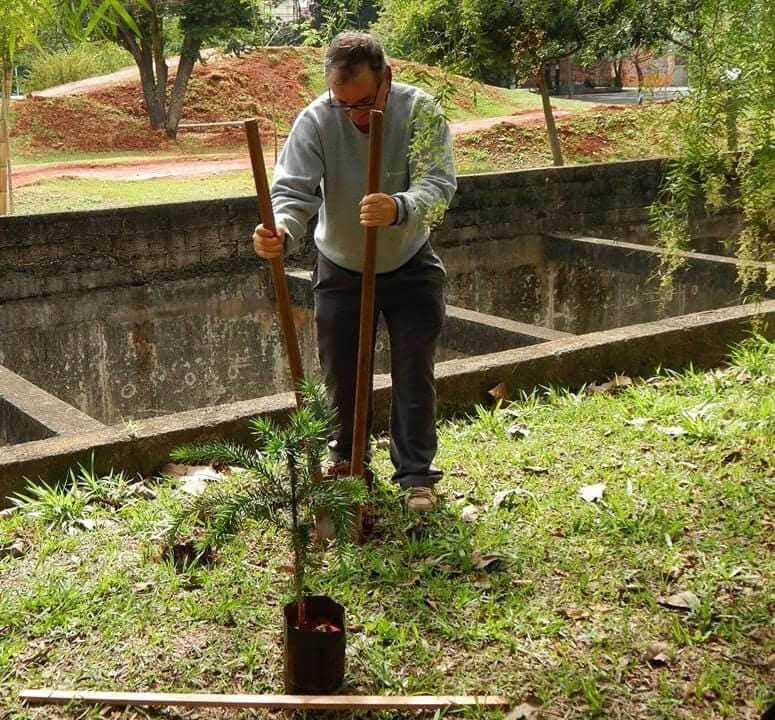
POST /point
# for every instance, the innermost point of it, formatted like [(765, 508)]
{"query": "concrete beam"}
[(29, 413), (702, 339), (468, 331), (700, 268)]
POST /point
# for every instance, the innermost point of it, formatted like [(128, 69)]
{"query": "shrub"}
[(46, 69)]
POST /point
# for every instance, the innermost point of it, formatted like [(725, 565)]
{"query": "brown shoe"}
[(421, 499)]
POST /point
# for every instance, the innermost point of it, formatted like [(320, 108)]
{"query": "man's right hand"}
[(267, 244)]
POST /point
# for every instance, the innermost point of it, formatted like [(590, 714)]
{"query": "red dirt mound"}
[(114, 118)]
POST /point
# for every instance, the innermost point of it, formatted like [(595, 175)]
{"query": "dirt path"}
[(120, 77), (531, 117), (146, 168), (140, 169)]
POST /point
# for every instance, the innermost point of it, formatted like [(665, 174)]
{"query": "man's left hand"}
[(378, 210)]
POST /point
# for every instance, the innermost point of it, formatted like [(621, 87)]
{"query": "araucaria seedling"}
[(276, 482)]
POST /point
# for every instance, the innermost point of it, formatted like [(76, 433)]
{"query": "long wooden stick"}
[(288, 702), (277, 264), (363, 387)]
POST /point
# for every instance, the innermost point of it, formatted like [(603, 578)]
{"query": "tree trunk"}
[(154, 94), (160, 64), (188, 57), (5, 151), (639, 72), (551, 128), (618, 67)]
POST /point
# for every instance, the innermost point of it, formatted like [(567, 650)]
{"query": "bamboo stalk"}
[(289, 702), (277, 264), (363, 388)]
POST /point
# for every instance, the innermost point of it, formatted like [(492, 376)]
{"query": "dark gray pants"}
[(411, 299)]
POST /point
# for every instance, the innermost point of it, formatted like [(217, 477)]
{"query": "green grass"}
[(63, 194), (597, 135), (592, 136), (566, 614), (184, 149)]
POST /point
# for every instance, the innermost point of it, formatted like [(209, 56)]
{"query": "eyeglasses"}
[(334, 103)]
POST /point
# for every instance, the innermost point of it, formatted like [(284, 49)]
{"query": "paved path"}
[(629, 96)]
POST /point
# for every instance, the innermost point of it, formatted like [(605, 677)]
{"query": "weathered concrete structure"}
[(130, 331)]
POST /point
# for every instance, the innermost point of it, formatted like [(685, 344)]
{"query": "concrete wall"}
[(50, 254), (125, 353), (580, 284), (702, 339), (29, 413)]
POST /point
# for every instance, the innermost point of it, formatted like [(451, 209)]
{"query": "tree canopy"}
[(141, 30), (727, 125)]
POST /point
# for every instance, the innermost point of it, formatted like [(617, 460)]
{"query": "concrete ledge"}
[(139, 447), (702, 339), (31, 413), (644, 259), (492, 331)]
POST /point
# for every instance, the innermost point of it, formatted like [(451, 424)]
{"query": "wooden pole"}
[(363, 387), (288, 702), (277, 264), (5, 153)]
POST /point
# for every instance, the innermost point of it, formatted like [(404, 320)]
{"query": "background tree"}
[(200, 22), (20, 23), (463, 36), (727, 127), (632, 31), (481, 37)]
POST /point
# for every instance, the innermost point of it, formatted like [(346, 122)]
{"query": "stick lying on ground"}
[(277, 264), (288, 702)]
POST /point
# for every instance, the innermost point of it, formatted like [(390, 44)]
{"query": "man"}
[(323, 169)]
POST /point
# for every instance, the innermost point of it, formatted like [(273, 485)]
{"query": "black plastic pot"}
[(314, 659)]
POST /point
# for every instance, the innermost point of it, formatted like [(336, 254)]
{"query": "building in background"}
[(289, 11)]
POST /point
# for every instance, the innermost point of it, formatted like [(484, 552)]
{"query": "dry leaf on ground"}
[(14, 550), (536, 470), (671, 430), (658, 653), (488, 561), (616, 383), (499, 392), (517, 431), (574, 613), (470, 513), (638, 422), (591, 493), (528, 710), (684, 600)]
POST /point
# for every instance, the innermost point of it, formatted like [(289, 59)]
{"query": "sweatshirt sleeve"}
[(431, 167), (296, 195)]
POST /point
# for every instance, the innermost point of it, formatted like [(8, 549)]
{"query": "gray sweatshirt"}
[(323, 169)]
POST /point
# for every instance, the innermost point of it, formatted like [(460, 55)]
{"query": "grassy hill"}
[(274, 84), (271, 83)]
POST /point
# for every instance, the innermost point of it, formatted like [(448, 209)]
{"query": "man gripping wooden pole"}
[(277, 264)]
